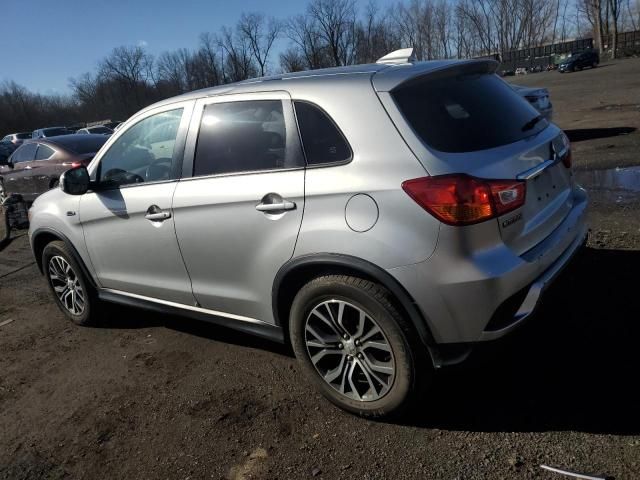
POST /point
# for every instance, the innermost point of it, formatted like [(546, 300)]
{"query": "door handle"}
[(156, 214), (274, 207)]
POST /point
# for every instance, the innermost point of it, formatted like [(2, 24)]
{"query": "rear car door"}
[(127, 220), (239, 212), (43, 172), (16, 179)]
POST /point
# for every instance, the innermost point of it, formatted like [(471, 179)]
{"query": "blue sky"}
[(49, 41)]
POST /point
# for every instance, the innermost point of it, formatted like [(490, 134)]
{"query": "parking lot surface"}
[(152, 396)]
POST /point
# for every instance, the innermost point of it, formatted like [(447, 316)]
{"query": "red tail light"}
[(465, 200), (76, 164)]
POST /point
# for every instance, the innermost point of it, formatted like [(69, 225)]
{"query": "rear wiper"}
[(532, 123)]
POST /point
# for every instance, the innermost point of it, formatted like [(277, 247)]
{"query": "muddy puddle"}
[(620, 185)]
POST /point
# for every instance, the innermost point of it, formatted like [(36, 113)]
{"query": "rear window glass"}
[(82, 144), (100, 130), (23, 136), (52, 132), (466, 113)]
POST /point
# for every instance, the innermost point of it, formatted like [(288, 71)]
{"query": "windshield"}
[(466, 113)]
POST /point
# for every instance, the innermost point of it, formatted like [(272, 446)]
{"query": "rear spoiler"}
[(394, 76)]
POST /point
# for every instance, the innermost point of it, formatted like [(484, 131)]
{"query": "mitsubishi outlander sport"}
[(381, 218)]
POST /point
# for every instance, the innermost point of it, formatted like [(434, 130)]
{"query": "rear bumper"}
[(535, 291), (469, 281)]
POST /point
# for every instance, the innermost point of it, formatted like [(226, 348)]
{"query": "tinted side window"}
[(44, 152), (244, 136), (25, 153), (144, 153), (321, 139)]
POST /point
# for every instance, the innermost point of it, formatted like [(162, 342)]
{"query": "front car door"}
[(238, 208), (15, 179), (128, 221)]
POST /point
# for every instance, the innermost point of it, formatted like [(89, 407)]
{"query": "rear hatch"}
[(460, 118)]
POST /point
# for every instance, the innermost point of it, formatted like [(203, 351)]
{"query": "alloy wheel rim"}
[(349, 350), (66, 285)]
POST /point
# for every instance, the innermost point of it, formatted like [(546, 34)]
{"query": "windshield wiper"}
[(532, 123)]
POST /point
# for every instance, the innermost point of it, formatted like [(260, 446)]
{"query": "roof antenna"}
[(404, 55)]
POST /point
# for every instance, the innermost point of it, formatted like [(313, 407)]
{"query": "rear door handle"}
[(156, 214), (274, 207)]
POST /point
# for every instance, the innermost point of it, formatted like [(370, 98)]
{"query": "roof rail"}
[(404, 55)]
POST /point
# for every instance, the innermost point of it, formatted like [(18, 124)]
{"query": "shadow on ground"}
[(574, 366), (122, 317), (582, 134)]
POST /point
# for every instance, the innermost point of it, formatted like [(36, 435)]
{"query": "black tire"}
[(594, 64), (413, 367), (88, 315)]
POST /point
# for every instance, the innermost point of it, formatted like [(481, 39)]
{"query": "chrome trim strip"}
[(535, 171), (187, 307)]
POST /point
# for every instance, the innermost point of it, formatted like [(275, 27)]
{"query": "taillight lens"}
[(465, 200)]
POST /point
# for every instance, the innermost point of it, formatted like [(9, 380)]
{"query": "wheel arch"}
[(297, 272), (43, 236)]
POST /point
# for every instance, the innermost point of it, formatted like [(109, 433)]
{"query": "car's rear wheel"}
[(356, 347), (72, 292)]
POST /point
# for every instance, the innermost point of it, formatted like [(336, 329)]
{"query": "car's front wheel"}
[(72, 292), (356, 347)]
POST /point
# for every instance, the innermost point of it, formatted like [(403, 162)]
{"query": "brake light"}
[(76, 164), (464, 200)]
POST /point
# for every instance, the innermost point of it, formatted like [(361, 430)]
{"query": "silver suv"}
[(381, 218)]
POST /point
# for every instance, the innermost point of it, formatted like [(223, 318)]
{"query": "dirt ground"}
[(150, 396)]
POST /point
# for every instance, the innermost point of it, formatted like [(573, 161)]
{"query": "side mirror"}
[(75, 181)]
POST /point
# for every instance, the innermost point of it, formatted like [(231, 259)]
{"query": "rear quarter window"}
[(466, 113), (322, 141)]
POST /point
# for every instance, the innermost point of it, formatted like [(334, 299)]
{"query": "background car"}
[(16, 138), (538, 98), (50, 132), (99, 130), (113, 125), (579, 60), (35, 166), (6, 149)]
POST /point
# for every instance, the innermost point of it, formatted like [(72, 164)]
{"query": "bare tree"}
[(206, 63), (260, 34), (304, 33), (335, 21), (592, 11), (238, 62), (615, 6), (375, 36)]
